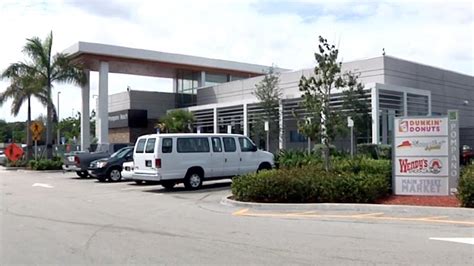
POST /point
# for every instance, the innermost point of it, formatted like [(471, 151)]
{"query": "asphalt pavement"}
[(56, 218)]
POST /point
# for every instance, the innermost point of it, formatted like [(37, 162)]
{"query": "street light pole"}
[(58, 141)]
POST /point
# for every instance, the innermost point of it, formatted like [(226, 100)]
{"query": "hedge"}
[(311, 184), (466, 187), (43, 164)]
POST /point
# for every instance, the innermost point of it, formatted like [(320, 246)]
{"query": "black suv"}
[(111, 168)]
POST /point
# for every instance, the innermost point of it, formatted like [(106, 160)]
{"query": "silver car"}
[(3, 158)]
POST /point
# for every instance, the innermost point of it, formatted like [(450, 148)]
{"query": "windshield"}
[(121, 153)]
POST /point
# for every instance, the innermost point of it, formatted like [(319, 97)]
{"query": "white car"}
[(127, 170), (3, 158), (194, 158)]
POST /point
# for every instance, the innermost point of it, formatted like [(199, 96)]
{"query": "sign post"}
[(350, 124), (36, 128), (426, 155)]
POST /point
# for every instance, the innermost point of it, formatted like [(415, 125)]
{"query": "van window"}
[(216, 145), (167, 145), (229, 144), (150, 145), (140, 146), (186, 145), (245, 144)]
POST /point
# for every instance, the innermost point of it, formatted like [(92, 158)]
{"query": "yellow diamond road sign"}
[(36, 127)]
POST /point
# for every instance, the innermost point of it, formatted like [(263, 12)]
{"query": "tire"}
[(264, 166), (193, 180), (168, 184), (101, 179), (82, 174), (114, 175)]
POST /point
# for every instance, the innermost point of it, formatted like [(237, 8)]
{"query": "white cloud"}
[(262, 32)]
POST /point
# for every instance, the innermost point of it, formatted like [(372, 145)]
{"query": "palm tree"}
[(176, 121), (23, 87), (59, 68)]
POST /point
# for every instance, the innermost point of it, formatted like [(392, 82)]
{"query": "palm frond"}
[(65, 71)]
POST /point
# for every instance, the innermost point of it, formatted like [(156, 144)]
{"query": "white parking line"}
[(42, 185), (464, 240)]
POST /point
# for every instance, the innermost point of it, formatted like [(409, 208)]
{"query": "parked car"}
[(3, 158), (467, 155), (194, 158), (80, 161), (127, 170), (110, 168)]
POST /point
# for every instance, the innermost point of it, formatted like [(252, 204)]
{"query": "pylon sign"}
[(426, 155), (13, 152), (36, 128)]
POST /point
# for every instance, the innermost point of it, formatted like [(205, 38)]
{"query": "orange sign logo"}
[(13, 152)]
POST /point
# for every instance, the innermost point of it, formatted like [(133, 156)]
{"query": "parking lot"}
[(56, 218)]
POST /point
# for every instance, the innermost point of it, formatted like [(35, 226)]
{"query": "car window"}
[(186, 145), (229, 144), (150, 145), (246, 145), (140, 146), (121, 153), (216, 144), (167, 145)]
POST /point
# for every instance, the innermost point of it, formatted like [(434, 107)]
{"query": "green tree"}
[(268, 94), (24, 86), (321, 122), (49, 69), (356, 105), (176, 121)]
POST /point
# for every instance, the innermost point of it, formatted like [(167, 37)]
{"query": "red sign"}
[(13, 152)]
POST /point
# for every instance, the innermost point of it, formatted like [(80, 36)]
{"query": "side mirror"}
[(254, 148)]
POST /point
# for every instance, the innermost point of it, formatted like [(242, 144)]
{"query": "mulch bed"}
[(439, 201)]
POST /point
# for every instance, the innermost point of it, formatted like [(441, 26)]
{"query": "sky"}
[(283, 33)]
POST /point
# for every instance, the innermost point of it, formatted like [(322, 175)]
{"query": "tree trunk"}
[(29, 148), (49, 127)]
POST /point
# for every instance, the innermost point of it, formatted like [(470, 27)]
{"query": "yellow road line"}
[(373, 216)]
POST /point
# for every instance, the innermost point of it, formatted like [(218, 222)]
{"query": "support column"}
[(281, 126), (374, 96), (202, 79), (246, 122), (405, 103), (216, 129), (103, 111), (85, 120)]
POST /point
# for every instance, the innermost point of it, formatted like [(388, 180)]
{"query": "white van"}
[(193, 158)]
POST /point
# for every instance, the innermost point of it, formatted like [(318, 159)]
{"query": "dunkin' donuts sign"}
[(424, 158)]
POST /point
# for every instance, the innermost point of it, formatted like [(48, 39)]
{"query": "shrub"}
[(375, 151), (295, 158), (466, 187), (44, 164), (310, 184)]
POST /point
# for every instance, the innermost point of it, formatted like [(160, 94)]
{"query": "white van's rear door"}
[(144, 156)]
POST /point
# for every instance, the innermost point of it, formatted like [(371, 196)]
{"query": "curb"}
[(40, 171), (420, 210)]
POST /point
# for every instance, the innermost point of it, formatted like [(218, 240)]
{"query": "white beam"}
[(246, 122), (281, 132), (374, 96), (103, 112), (85, 120), (216, 129)]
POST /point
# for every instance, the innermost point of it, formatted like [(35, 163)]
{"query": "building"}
[(219, 93)]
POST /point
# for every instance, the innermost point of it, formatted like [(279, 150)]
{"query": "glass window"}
[(186, 145), (150, 145), (140, 146), (167, 145), (229, 144), (216, 145), (121, 153), (246, 144), (295, 136)]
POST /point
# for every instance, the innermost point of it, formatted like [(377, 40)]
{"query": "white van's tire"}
[(193, 179), (264, 166), (82, 174)]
